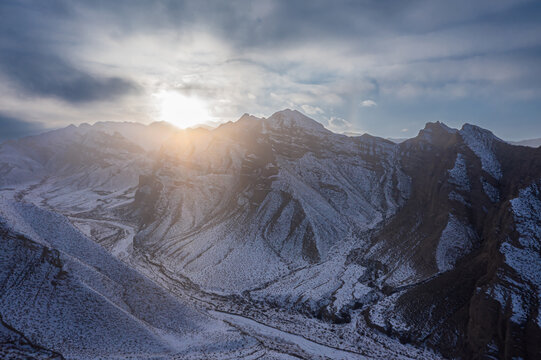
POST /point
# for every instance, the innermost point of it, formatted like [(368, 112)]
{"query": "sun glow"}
[(182, 111)]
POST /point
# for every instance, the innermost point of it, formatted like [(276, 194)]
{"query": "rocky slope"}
[(434, 241), (473, 294)]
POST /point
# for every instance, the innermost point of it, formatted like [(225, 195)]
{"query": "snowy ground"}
[(299, 345), (249, 329)]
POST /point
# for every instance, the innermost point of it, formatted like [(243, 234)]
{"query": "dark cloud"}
[(50, 76), (32, 55), (13, 128), (248, 23)]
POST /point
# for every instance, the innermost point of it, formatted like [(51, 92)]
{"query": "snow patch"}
[(525, 257), (311, 348), (458, 175), (512, 298), (492, 192), (481, 142), (403, 274), (456, 241), (457, 197)]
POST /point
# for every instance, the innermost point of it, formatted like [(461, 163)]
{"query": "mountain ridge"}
[(287, 113), (386, 238)]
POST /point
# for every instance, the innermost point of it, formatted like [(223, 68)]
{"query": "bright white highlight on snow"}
[(181, 111)]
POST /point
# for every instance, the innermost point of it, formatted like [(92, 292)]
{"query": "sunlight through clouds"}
[(181, 111), (338, 61)]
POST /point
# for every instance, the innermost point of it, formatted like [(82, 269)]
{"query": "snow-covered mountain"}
[(530, 142), (358, 246)]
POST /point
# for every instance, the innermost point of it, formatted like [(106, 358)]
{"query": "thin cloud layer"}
[(70, 62)]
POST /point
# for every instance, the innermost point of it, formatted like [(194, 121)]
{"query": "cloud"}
[(50, 76), (13, 128), (342, 126), (368, 103), (420, 59), (312, 110), (404, 130), (339, 125), (35, 56)]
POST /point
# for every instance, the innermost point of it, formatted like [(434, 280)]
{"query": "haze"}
[(382, 67)]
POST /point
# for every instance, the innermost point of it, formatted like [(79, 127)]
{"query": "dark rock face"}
[(146, 198), (458, 311)]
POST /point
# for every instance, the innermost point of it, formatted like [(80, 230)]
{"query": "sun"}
[(181, 111)]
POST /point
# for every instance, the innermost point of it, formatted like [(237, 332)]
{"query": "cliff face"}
[(469, 229)]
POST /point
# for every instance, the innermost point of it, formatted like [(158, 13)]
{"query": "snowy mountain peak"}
[(478, 132), (246, 118), (288, 119)]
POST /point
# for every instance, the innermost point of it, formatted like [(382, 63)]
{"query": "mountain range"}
[(269, 238), (531, 142)]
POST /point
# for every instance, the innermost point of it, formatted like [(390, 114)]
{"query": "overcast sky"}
[(382, 67)]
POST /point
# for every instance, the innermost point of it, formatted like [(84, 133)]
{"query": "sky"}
[(381, 67)]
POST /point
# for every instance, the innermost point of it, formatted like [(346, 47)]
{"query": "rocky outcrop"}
[(480, 305)]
